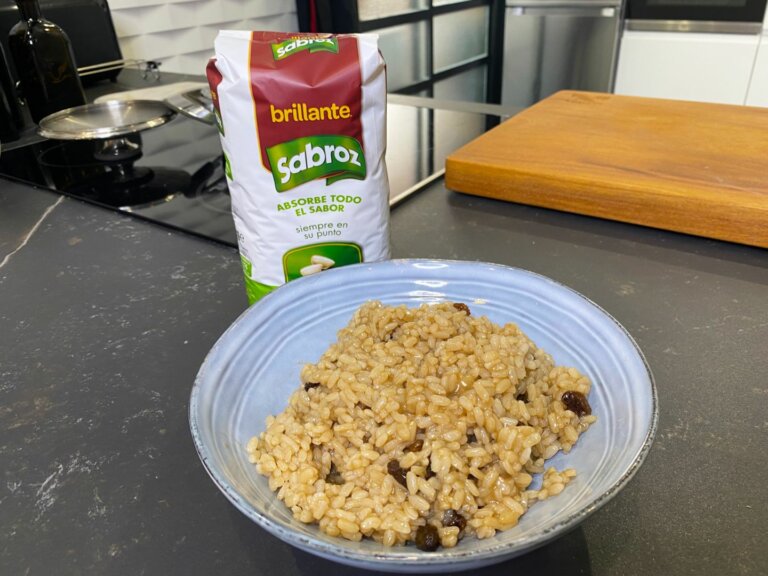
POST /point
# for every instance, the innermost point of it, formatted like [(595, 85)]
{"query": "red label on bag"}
[(305, 87), (214, 79)]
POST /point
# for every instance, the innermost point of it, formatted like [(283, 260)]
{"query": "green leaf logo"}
[(333, 157)]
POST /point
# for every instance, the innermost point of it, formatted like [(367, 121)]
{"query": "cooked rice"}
[(484, 400)]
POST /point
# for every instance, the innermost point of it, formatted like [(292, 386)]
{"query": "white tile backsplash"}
[(180, 33)]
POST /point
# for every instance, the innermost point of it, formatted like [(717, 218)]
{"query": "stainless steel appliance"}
[(551, 45), (723, 16)]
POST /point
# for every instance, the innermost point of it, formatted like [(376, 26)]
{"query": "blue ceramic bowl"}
[(255, 365)]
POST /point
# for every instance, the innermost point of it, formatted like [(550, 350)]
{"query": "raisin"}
[(577, 403), (452, 518), (462, 307), (397, 472), (427, 538), (310, 385), (414, 446), (334, 476)]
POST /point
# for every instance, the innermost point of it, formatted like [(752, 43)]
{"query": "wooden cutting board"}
[(689, 167)]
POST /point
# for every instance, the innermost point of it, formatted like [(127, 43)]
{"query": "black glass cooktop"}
[(174, 174)]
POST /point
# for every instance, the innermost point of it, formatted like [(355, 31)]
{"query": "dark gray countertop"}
[(106, 319)]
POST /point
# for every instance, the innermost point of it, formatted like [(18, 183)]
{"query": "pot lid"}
[(109, 119)]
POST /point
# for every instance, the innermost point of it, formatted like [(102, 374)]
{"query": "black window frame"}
[(339, 16)]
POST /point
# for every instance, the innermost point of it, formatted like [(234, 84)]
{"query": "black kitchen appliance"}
[(696, 15), (173, 174)]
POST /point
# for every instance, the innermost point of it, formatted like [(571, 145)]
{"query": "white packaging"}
[(302, 122)]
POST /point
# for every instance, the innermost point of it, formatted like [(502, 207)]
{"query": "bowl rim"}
[(453, 558)]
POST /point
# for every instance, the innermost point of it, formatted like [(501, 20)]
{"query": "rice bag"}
[(302, 124)]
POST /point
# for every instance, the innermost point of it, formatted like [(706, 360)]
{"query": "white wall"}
[(686, 66), (180, 33), (758, 87)]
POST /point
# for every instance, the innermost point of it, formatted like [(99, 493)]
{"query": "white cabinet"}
[(686, 66), (758, 89)]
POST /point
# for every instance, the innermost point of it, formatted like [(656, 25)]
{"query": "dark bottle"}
[(10, 115), (44, 63)]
